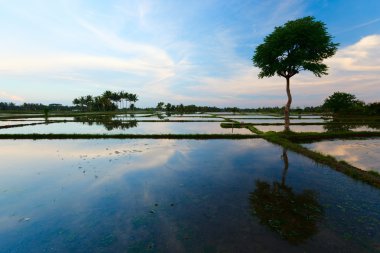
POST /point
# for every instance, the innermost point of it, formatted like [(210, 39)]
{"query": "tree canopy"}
[(341, 102), (298, 45)]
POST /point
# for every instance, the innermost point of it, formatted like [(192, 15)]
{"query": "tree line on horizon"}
[(108, 101), (339, 103)]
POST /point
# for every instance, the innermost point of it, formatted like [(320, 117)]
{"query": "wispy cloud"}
[(371, 22)]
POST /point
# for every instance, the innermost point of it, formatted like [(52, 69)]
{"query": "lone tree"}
[(301, 44)]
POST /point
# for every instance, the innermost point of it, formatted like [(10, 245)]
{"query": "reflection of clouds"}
[(364, 154), (142, 128), (151, 158), (294, 128), (36, 181)]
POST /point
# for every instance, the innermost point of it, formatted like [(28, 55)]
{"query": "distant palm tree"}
[(107, 94), (126, 98), (76, 102), (115, 97), (82, 102), (97, 102), (122, 95), (89, 102), (133, 99)]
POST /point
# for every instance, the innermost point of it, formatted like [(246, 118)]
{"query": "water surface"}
[(110, 127), (364, 154), (315, 128), (178, 196)]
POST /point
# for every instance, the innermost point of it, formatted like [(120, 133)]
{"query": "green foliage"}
[(108, 101), (160, 106), (341, 102), (373, 108), (298, 45)]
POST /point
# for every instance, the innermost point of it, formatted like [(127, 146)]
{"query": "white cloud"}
[(10, 97), (361, 56)]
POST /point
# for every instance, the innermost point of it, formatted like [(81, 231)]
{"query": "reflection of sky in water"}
[(306, 128), (308, 116), (364, 154), (194, 118), (244, 116), (49, 118), (363, 128), (14, 123), (294, 128), (280, 120), (128, 118), (167, 196), (142, 128)]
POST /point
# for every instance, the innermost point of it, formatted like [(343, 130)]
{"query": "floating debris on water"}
[(24, 219)]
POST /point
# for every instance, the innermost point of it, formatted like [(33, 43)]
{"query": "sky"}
[(190, 52)]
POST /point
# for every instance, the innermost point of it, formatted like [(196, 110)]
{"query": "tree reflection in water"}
[(293, 216), (349, 124), (107, 121)]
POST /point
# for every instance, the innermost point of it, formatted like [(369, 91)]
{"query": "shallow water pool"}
[(135, 128), (364, 154), (178, 196)]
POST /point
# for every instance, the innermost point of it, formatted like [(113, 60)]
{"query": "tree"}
[(301, 44), (160, 106), (132, 99), (76, 101), (89, 102), (125, 96), (373, 108), (341, 102), (82, 102)]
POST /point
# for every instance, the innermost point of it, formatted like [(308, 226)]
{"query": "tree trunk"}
[(287, 106)]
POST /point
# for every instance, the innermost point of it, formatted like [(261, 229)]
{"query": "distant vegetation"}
[(108, 101), (339, 103)]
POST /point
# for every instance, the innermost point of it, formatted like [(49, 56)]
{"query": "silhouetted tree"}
[(301, 44)]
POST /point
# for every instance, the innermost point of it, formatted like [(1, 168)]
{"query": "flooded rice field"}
[(132, 127), (178, 196), (146, 195), (5, 123), (364, 154), (247, 116), (316, 128), (280, 121)]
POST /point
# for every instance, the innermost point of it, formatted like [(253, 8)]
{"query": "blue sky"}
[(190, 52)]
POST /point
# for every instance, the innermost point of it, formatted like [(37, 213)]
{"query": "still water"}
[(280, 121), (178, 196), (364, 154), (133, 127), (316, 128)]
